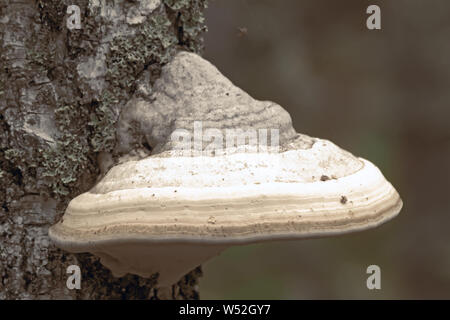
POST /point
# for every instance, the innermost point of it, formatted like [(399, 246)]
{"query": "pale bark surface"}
[(61, 93)]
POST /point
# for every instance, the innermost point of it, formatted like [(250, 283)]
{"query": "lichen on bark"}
[(61, 93)]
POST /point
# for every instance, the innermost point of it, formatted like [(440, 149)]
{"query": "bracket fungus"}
[(171, 211)]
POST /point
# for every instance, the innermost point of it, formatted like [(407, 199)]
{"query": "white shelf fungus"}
[(172, 211)]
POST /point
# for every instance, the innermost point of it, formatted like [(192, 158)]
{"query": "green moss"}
[(13, 155), (40, 53), (88, 127), (39, 58), (92, 26), (153, 45), (66, 161), (52, 13), (103, 121), (190, 21)]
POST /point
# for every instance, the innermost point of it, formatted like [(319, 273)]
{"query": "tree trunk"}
[(61, 93)]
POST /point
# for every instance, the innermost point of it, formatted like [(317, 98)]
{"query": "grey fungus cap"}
[(171, 212)]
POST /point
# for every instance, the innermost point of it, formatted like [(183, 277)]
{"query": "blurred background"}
[(381, 94)]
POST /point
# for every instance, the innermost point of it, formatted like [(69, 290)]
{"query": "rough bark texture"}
[(61, 93)]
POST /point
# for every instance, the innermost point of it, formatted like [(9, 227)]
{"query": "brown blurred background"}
[(383, 95)]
